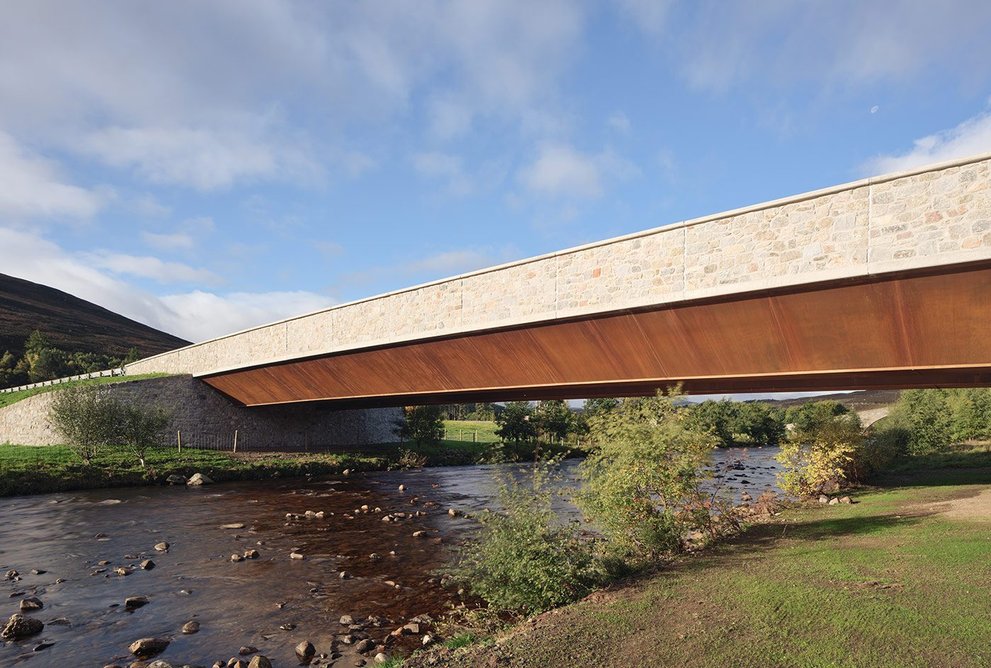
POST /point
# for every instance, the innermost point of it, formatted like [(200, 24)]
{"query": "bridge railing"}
[(69, 379)]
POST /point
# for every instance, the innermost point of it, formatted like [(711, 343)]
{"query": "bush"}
[(881, 448), (516, 423), (642, 483), (140, 429), (522, 560), (421, 424), (818, 461), (86, 418)]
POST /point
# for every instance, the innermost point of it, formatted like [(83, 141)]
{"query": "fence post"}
[(474, 436), (178, 438), (235, 440)]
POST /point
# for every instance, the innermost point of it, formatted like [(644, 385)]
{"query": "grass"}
[(481, 431), (38, 470), (8, 398), (885, 582)]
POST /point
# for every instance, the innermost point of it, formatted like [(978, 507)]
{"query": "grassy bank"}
[(38, 470), (901, 578), (8, 398)]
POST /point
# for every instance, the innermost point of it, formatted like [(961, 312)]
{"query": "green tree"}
[(553, 420), (809, 416), (642, 481), (515, 423), (927, 415), (421, 424), (86, 418), (139, 429)]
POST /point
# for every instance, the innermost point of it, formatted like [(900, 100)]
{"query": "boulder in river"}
[(147, 647), (198, 479), (191, 627), (147, 565), (305, 651), (260, 662), (31, 603), (135, 602), (162, 547), (19, 626), (175, 480)]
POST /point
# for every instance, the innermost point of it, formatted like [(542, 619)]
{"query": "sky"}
[(203, 167)]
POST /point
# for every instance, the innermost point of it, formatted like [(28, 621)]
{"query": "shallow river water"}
[(271, 602)]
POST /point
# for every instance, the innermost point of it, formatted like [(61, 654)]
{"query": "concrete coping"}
[(671, 227)]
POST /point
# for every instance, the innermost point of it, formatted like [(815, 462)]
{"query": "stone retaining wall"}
[(937, 216), (206, 417)]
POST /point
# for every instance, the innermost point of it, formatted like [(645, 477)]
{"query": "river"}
[(77, 540)]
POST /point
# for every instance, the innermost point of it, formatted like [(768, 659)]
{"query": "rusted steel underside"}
[(924, 329)]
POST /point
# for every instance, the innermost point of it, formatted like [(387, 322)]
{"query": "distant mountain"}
[(858, 401), (72, 324)]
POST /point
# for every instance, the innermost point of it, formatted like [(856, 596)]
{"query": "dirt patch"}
[(975, 507)]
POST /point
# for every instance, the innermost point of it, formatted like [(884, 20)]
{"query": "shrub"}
[(819, 460), (642, 483), (523, 560), (86, 418), (879, 449), (408, 459), (421, 424), (140, 429)]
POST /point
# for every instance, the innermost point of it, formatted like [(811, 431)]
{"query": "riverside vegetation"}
[(794, 588)]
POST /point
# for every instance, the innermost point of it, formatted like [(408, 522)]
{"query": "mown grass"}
[(480, 431), (884, 582), (8, 398)]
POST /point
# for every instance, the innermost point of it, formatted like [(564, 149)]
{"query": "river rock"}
[(147, 565), (419, 534), (42, 646), (38, 571), (823, 499), (846, 499), (833, 501), (30, 604), (175, 480), (381, 657), (305, 651), (296, 555), (159, 664), (147, 647), (123, 571), (234, 525), (364, 646), (135, 602), (247, 649), (236, 663), (162, 547), (236, 557), (198, 479), (427, 640), (191, 627), (19, 626), (260, 662)]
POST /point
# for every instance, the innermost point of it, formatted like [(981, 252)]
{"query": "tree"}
[(86, 418), (422, 424), (812, 414), (927, 415), (553, 419), (642, 482), (515, 423), (819, 460), (140, 429)]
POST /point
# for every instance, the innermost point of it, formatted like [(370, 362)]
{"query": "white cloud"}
[(200, 158), (195, 316), (446, 167), (173, 241), (146, 266), (560, 170), (619, 122), (31, 186), (971, 137), (834, 43)]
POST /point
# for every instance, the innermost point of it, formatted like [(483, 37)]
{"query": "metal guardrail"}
[(59, 381)]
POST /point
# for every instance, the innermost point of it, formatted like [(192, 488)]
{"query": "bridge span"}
[(879, 283)]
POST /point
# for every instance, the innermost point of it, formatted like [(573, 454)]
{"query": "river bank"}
[(900, 578), (44, 470)]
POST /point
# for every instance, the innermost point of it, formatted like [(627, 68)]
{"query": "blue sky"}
[(206, 166)]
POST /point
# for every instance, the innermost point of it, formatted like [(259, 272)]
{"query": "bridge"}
[(880, 283)]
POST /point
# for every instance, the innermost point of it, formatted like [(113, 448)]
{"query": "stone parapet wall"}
[(206, 417), (937, 216)]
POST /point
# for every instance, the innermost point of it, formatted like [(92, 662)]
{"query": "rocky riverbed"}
[(336, 571)]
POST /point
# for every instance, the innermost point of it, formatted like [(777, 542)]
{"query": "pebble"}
[(191, 627), (135, 602), (295, 555), (305, 651), (162, 547), (147, 565), (251, 554), (30, 604), (19, 626)]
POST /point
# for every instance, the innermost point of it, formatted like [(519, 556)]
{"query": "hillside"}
[(71, 323)]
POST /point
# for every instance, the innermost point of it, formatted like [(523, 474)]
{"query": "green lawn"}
[(8, 398), (890, 581), (481, 431)]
